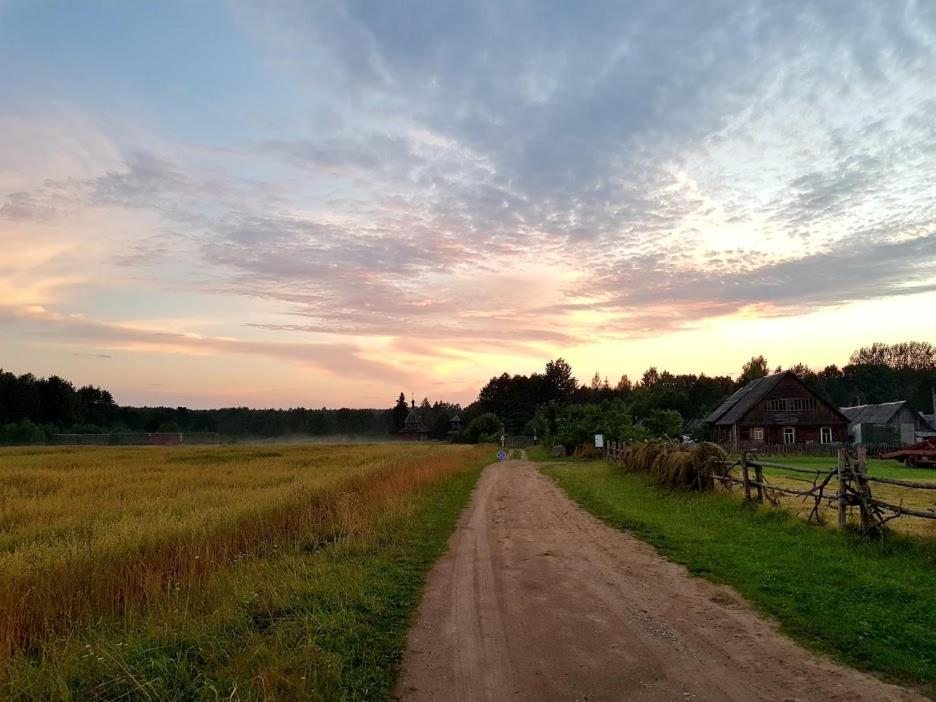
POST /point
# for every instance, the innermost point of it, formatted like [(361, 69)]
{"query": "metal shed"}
[(904, 422)]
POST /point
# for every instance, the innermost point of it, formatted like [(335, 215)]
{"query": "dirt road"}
[(537, 600)]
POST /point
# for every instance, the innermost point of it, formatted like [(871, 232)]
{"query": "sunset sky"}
[(325, 204)]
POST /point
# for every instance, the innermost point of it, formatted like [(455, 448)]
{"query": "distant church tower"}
[(413, 428)]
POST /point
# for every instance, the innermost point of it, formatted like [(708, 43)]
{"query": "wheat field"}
[(87, 533)]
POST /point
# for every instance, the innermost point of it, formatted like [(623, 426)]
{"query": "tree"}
[(596, 381), (484, 429), (398, 414), (96, 406), (912, 355), (650, 378), (575, 425), (752, 370), (441, 425), (664, 423), (512, 398), (800, 370), (559, 382)]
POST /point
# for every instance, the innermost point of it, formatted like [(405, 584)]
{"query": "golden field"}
[(87, 533)]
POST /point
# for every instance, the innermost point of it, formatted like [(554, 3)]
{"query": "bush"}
[(576, 425), (484, 429), (664, 423), (24, 432)]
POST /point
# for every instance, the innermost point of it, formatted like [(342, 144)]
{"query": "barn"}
[(888, 422), (777, 409)]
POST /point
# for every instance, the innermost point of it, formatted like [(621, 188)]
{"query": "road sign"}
[(599, 440), (501, 455)]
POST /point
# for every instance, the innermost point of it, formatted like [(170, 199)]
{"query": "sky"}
[(290, 203)]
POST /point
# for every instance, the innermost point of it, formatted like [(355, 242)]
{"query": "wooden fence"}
[(846, 485), (810, 449)]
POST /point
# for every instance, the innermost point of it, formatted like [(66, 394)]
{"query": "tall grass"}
[(93, 532), (675, 466)]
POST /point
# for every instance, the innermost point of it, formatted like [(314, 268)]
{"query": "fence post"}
[(745, 477), (864, 488), (842, 497), (759, 477)]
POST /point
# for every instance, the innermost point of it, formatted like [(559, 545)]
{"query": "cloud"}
[(24, 206), (521, 176), (831, 277), (340, 360)]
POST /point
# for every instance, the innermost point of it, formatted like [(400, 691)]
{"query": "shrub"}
[(24, 432), (484, 429), (664, 423), (575, 425)]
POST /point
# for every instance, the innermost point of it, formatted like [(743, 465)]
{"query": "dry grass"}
[(919, 499), (87, 533), (675, 466)]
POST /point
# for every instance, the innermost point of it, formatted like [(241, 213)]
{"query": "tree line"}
[(552, 405), (33, 409)]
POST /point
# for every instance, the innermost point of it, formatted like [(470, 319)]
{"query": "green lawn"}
[(871, 605), (314, 621), (540, 455)]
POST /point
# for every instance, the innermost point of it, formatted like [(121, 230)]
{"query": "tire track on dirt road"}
[(538, 600)]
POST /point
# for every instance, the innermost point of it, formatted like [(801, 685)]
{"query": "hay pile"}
[(676, 466)]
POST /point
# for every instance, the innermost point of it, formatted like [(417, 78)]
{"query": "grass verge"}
[(871, 605), (314, 620), (540, 455)]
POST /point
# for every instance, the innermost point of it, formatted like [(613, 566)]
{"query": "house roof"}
[(873, 414), (413, 423), (736, 406), (732, 410)]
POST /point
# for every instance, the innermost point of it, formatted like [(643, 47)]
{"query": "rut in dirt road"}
[(538, 600)]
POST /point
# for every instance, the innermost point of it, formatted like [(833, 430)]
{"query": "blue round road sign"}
[(501, 455)]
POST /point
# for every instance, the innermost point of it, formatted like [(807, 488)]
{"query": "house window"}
[(789, 435), (757, 434), (825, 435), (791, 404)]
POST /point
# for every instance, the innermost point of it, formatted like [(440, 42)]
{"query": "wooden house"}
[(413, 427), (888, 422), (777, 409)]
